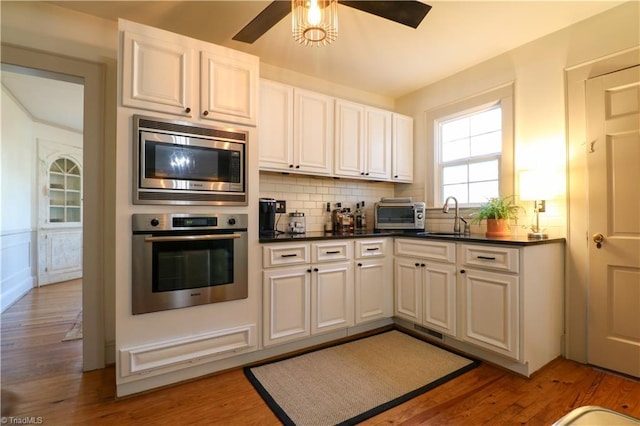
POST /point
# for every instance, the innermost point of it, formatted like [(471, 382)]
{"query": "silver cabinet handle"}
[(191, 238)]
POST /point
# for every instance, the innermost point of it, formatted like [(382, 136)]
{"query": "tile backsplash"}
[(310, 195)]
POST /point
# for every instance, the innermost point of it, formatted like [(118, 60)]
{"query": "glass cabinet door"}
[(65, 191)]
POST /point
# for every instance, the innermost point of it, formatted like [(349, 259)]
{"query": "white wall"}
[(537, 69), (17, 209)]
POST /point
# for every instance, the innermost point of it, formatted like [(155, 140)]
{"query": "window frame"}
[(503, 96)]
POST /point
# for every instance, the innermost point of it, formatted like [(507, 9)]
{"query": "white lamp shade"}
[(539, 184)]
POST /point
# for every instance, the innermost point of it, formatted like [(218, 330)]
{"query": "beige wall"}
[(537, 69)]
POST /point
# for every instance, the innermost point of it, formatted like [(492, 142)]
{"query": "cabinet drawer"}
[(331, 251), (490, 257), (366, 249), (284, 254), (423, 249)]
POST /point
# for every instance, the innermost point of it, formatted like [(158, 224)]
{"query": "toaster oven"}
[(399, 214)]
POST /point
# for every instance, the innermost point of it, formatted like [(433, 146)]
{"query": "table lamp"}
[(534, 187)]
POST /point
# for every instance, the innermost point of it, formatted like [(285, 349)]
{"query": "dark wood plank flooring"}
[(45, 375)]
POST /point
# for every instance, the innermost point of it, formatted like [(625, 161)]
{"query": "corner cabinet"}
[(500, 302), (362, 141), (159, 73), (373, 280), (295, 130)]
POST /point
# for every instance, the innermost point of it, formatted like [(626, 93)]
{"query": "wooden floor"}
[(46, 376)]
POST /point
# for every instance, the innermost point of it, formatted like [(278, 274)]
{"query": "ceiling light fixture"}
[(314, 22)]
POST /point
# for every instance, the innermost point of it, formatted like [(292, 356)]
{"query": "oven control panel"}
[(181, 221)]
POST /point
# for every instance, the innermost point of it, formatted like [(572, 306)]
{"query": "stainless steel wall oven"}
[(181, 260)]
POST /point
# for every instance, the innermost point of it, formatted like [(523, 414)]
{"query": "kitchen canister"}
[(297, 223)]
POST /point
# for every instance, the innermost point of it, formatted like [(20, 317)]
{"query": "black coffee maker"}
[(267, 216)]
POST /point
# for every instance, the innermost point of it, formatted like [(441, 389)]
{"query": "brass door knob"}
[(598, 239)]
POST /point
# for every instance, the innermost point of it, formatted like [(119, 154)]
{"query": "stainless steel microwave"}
[(178, 162), (399, 214)]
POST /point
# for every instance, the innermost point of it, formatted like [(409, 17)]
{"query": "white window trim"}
[(502, 95)]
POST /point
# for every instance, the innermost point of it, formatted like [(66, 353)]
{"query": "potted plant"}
[(497, 211)]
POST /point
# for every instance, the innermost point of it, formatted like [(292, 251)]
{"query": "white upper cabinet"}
[(362, 141), (157, 75), (312, 132), (160, 73), (229, 86), (275, 126), (402, 155), (295, 130), (305, 132), (378, 146)]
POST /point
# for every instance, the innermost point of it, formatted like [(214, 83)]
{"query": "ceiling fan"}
[(406, 12)]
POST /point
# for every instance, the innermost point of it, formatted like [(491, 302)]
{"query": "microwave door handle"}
[(191, 238)]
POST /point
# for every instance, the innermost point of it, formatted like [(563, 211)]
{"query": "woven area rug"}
[(348, 383), (75, 332)]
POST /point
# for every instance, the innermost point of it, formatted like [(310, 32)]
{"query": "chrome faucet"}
[(456, 219)]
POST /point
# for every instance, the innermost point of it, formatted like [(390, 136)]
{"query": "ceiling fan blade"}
[(266, 19), (410, 13)]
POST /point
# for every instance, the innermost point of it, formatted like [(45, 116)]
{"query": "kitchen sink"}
[(439, 234)]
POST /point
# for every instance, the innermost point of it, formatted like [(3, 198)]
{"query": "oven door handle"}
[(191, 238)]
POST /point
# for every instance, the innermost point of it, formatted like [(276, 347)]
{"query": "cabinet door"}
[(228, 86), (378, 144), (275, 126), (313, 133), (402, 152), (157, 75), (408, 290), (349, 139), (331, 297), (286, 301), (439, 302), (373, 290), (491, 311)]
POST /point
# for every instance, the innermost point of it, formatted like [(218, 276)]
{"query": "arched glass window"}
[(65, 191)]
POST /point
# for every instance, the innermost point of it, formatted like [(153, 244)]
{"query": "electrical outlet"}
[(281, 206)]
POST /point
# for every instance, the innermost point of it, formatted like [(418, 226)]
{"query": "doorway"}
[(93, 214), (49, 107), (579, 241)]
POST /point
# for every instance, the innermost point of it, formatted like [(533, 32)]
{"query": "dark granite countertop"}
[(517, 240)]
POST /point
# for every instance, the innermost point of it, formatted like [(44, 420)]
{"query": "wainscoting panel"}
[(182, 353), (17, 269)]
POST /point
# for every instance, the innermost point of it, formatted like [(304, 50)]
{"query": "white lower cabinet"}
[(426, 283), (331, 296), (490, 309), (309, 298), (499, 302), (287, 299), (373, 281)]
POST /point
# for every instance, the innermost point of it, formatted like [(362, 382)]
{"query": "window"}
[(472, 146)]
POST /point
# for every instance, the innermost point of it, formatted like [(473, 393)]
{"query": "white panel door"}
[(349, 139), (491, 311), (312, 133), (275, 126), (331, 297), (378, 144), (157, 75), (228, 87), (286, 304), (402, 149), (372, 290), (439, 295), (408, 290), (613, 159)]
